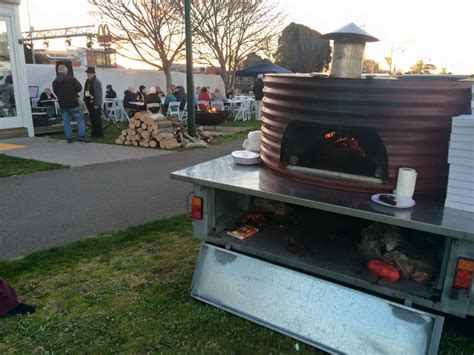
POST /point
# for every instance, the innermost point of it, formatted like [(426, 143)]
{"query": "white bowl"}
[(245, 157)]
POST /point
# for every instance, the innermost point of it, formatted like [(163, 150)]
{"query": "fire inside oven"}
[(346, 153)]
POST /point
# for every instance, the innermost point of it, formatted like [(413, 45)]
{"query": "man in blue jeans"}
[(66, 87)]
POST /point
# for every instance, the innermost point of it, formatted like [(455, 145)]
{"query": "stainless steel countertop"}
[(256, 180)]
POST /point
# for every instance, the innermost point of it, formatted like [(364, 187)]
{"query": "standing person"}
[(258, 92), (93, 100), (67, 89)]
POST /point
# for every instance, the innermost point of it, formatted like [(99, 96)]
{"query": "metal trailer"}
[(322, 300)]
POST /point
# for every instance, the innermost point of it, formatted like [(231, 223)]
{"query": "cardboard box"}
[(467, 154), (463, 130), (460, 161), (463, 121), (463, 169), (468, 194), (459, 206), (460, 184), (462, 145), (453, 175), (466, 138)]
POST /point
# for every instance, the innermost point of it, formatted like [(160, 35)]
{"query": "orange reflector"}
[(464, 272), (196, 208)]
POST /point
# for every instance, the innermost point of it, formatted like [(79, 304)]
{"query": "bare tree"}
[(151, 31), (226, 31)]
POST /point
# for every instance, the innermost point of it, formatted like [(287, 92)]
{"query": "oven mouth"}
[(334, 175), (337, 152)]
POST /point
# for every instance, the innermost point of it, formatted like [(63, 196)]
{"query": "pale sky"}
[(439, 32)]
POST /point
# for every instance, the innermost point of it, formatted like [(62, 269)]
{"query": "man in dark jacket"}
[(110, 93), (67, 89), (258, 92), (181, 96), (93, 99)]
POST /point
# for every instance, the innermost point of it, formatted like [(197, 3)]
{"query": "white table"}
[(242, 107)]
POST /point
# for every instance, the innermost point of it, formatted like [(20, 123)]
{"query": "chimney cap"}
[(350, 33)]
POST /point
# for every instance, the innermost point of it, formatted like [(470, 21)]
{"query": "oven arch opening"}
[(335, 151)]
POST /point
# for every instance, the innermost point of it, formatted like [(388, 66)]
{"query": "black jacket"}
[(258, 89), (67, 88), (153, 99), (94, 86), (111, 94), (182, 97), (44, 97), (128, 97)]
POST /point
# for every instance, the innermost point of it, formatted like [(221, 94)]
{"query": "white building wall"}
[(43, 75)]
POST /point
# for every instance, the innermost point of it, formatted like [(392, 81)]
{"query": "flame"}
[(346, 141), (212, 109), (330, 135)]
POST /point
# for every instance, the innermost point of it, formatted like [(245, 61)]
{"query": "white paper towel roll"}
[(406, 182)]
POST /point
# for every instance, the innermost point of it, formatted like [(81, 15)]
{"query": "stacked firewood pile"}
[(156, 131)]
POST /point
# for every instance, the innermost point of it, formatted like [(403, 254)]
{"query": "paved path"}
[(47, 209), (76, 154)]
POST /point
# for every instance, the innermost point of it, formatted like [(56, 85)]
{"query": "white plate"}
[(402, 202), (245, 157)]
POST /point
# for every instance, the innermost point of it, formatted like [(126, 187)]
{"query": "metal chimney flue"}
[(348, 52)]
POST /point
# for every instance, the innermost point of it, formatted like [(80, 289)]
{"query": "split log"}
[(157, 117), (118, 141), (153, 144), (131, 125), (205, 134), (165, 130), (169, 143), (164, 136), (124, 132), (144, 126), (135, 143), (127, 143), (196, 145), (165, 124), (145, 134)]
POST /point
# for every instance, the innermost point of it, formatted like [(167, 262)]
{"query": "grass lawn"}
[(11, 166), (128, 292), (250, 125), (112, 132)]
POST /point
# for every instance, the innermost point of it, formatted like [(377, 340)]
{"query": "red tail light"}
[(464, 272), (196, 208)]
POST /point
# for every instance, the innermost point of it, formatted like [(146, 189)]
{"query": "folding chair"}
[(183, 115), (173, 109)]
